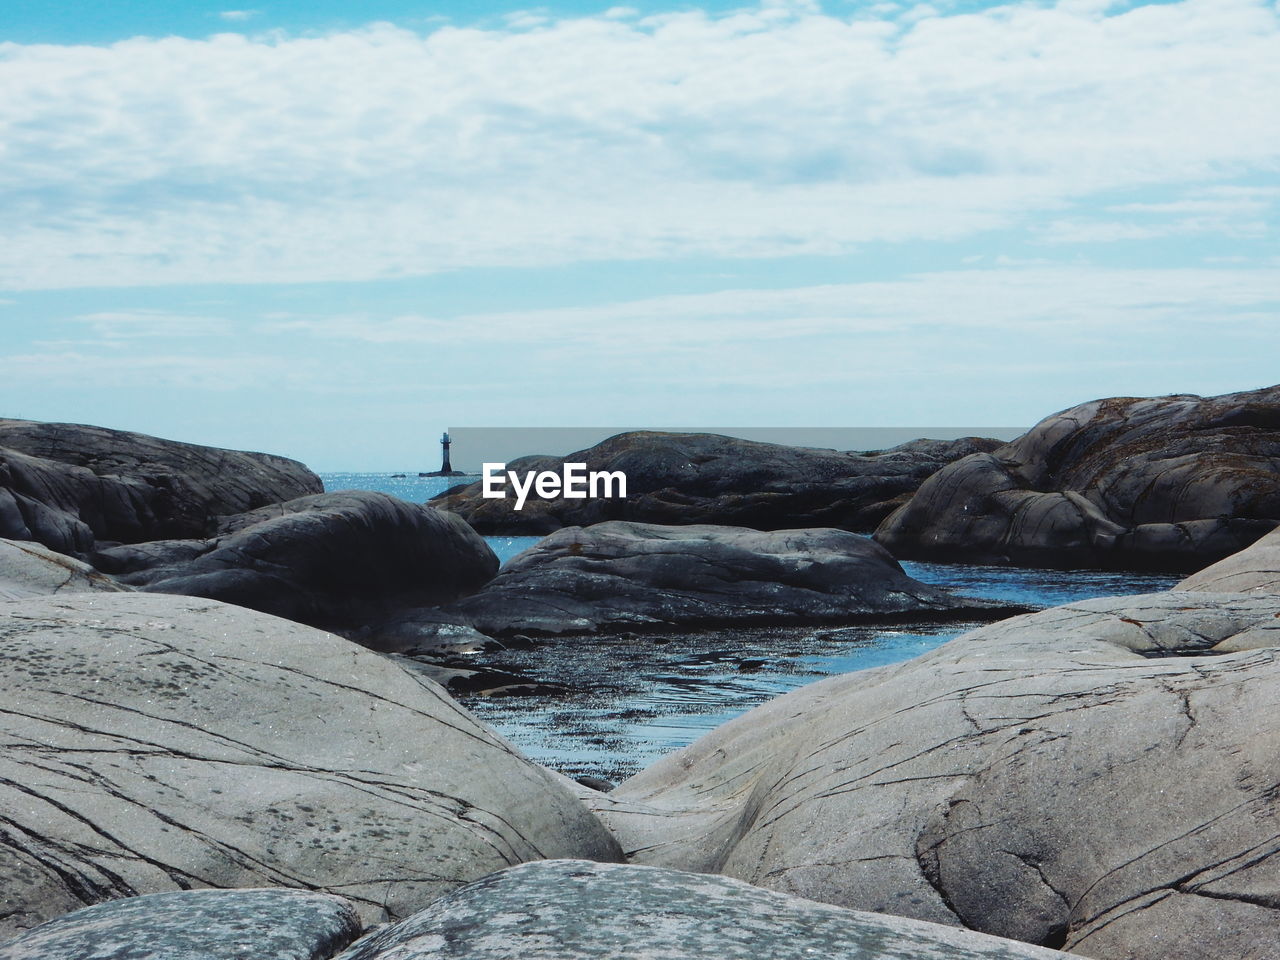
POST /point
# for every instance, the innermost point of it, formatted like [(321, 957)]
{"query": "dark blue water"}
[(630, 700)]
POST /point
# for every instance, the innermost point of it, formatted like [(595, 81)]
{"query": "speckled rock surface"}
[(28, 569), (152, 742), (620, 574), (572, 910), (196, 925), (66, 485), (1172, 483), (1101, 775), (333, 560), (1255, 569), (678, 478)]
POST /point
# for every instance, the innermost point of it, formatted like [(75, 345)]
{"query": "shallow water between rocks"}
[(628, 700)]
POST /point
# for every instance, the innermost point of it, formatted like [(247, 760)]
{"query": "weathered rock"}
[(1172, 483), (66, 485), (1100, 775), (29, 569), (571, 910), (623, 575), (336, 560), (1255, 569), (196, 925), (678, 478), (150, 743)]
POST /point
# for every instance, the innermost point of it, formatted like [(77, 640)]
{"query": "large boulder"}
[(570, 910), (1255, 569), (67, 485), (196, 925), (1099, 776), (620, 575), (151, 743), (1172, 483), (677, 478), (336, 560), (30, 570)]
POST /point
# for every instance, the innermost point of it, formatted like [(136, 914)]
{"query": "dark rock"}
[(336, 560), (686, 478), (196, 925), (622, 575), (1099, 776), (1172, 483), (65, 485), (150, 743), (572, 910)]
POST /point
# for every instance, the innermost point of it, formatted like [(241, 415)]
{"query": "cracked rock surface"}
[(28, 569), (69, 485), (196, 925), (1102, 776), (678, 478), (1253, 570), (572, 910), (151, 743), (623, 575), (1171, 483), (333, 560)]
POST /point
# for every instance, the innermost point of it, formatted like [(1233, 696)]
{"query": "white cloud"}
[(151, 324), (776, 130), (239, 16), (1035, 299)]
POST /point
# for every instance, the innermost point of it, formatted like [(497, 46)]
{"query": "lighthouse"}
[(445, 465)]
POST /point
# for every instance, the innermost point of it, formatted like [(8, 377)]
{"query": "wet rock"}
[(571, 910), (196, 925), (1255, 569), (335, 560), (696, 478), (1172, 483), (67, 485), (28, 569), (150, 743), (619, 574), (1099, 776)]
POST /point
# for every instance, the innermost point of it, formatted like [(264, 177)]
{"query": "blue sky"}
[(330, 230)]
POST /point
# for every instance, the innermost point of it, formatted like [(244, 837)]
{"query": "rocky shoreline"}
[(193, 767)]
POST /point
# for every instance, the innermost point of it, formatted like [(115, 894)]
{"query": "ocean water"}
[(628, 700)]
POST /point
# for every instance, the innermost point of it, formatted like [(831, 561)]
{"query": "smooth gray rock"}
[(333, 560), (623, 575), (1255, 569), (679, 478), (196, 925), (572, 910), (1172, 483), (69, 485), (1100, 776), (28, 569), (150, 743)]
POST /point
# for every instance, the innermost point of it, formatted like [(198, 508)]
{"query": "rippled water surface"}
[(629, 700)]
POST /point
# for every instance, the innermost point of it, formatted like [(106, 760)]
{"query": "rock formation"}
[(151, 743), (196, 925), (567, 910), (688, 478), (68, 485), (335, 560), (620, 575), (1171, 483), (1100, 776), (28, 569)]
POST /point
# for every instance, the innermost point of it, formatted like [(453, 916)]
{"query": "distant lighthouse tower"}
[(445, 466)]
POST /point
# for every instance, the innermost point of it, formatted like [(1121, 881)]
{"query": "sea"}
[(618, 703)]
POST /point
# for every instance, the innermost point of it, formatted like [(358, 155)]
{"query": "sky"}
[(331, 230)]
